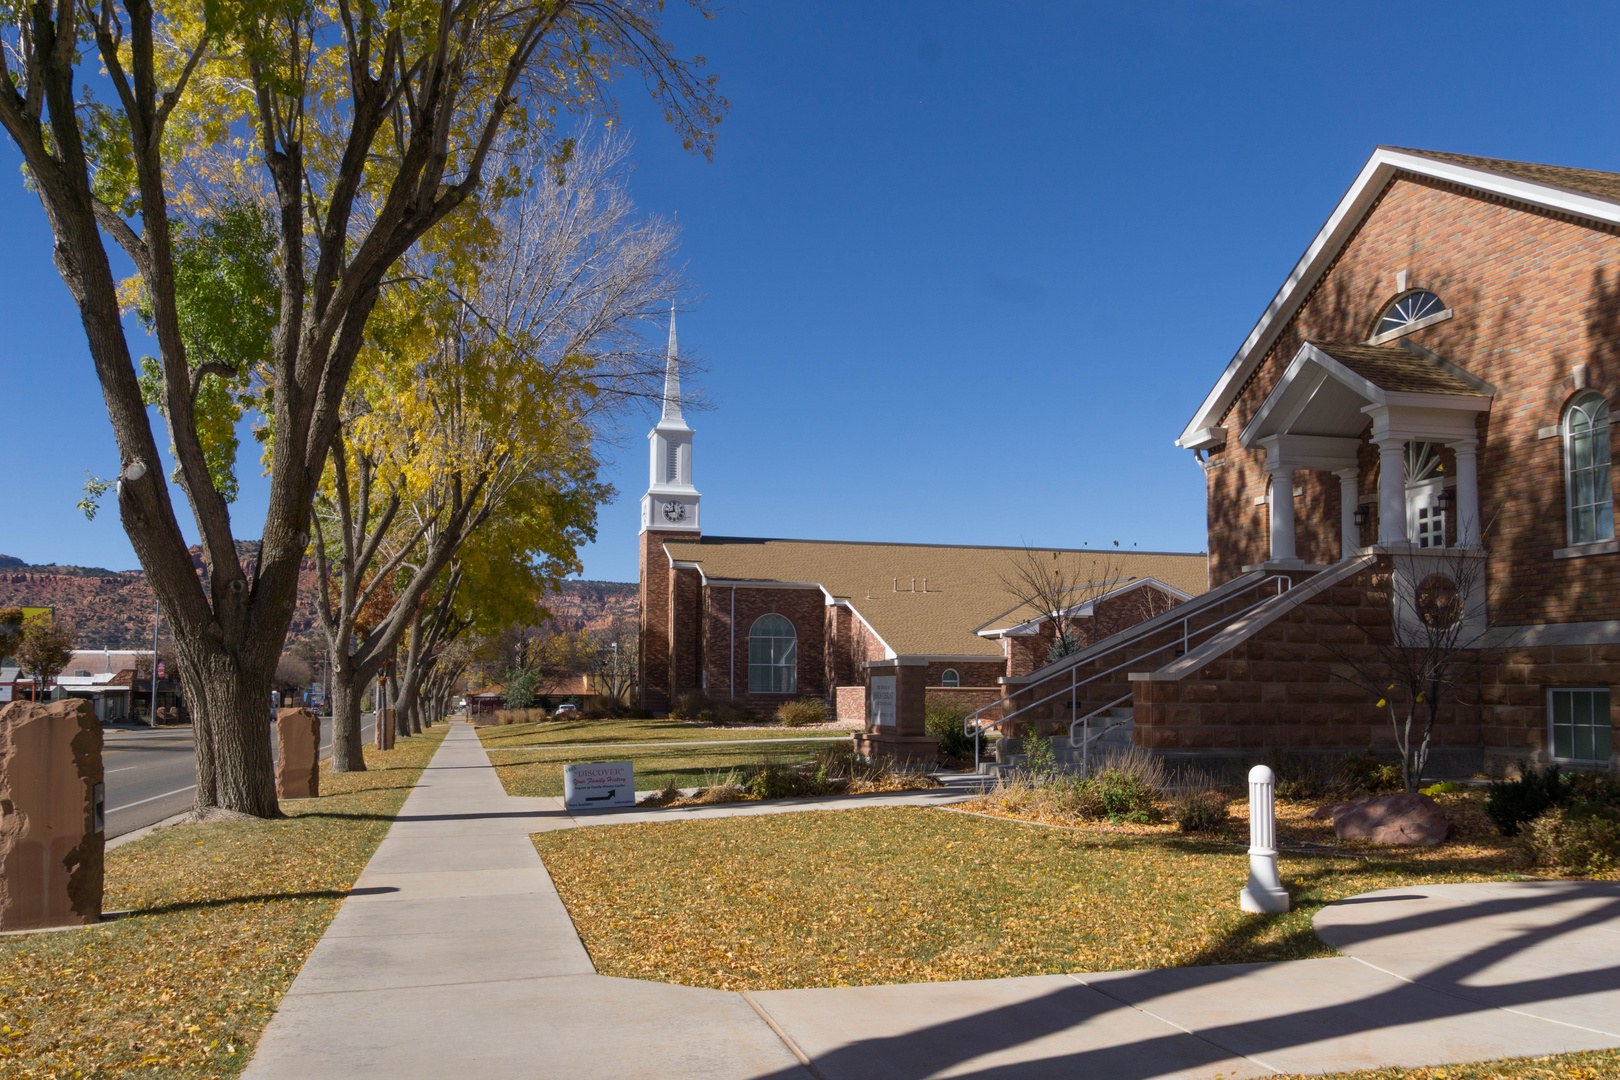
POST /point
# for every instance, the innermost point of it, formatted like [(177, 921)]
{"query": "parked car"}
[(567, 707)]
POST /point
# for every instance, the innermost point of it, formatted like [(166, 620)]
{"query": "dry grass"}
[(1592, 1065), (907, 895), (224, 915)]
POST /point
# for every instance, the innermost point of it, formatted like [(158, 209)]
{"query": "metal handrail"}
[(1088, 738), (971, 725)]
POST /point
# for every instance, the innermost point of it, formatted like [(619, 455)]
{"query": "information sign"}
[(883, 714), (593, 785)]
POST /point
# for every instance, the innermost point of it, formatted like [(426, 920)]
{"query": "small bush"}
[(722, 713), (1040, 759), (688, 705), (1512, 804), (773, 781), (1360, 774), (1582, 838), (944, 721), (1124, 794), (1444, 787), (803, 712), (1200, 811)]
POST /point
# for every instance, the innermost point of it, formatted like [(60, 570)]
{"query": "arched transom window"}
[(950, 678), (1417, 308), (773, 656), (1589, 490)]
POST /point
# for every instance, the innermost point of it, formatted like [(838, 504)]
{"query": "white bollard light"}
[(1264, 894)]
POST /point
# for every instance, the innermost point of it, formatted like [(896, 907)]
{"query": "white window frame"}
[(770, 676), (951, 678), (1570, 509), (1552, 739)]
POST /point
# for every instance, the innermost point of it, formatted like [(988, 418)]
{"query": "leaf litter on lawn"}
[(222, 917), (890, 895)]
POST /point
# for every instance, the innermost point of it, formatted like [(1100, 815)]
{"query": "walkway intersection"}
[(454, 956)]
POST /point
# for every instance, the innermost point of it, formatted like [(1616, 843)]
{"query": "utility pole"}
[(157, 615)]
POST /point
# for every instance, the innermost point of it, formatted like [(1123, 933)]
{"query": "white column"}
[(1392, 492), (1467, 493), (1282, 514), (1349, 498), (1264, 893)]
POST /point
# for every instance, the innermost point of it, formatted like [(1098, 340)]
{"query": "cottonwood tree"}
[(360, 127), (45, 647), (478, 402)]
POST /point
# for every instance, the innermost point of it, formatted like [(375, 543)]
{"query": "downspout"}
[(734, 643)]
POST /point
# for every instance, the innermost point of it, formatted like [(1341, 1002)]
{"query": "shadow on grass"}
[(259, 898)]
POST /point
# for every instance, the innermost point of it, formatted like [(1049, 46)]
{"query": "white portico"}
[(671, 502), (1315, 415)]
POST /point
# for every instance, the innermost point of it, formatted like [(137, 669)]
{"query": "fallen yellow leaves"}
[(223, 916)]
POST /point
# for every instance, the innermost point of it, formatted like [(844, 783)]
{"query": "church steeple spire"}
[(671, 502), (672, 374)]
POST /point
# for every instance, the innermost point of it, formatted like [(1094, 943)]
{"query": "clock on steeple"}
[(671, 502)]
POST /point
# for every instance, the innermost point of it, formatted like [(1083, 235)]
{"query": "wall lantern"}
[(1363, 515)]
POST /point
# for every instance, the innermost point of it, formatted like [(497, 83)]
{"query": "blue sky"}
[(966, 271)]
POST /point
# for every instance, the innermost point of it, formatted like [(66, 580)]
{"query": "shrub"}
[(722, 713), (688, 705), (1365, 773), (1040, 760), (1582, 838), (774, 781), (1444, 787), (1126, 795), (802, 712), (944, 720), (1512, 804), (1200, 811)]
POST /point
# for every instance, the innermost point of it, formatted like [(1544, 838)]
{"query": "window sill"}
[(1596, 547)]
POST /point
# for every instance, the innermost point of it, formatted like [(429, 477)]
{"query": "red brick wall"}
[(1534, 293), (971, 674), (653, 597), (804, 608), (686, 632)]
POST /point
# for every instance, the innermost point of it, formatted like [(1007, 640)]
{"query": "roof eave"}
[(1375, 174)]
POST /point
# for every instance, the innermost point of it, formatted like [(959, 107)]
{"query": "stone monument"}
[(896, 701), (51, 810), (298, 740)]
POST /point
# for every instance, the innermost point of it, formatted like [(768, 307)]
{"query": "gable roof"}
[(1582, 193), (1390, 367), (885, 583)]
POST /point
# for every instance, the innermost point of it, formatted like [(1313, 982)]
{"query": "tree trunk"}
[(348, 750), (230, 716), (402, 723)]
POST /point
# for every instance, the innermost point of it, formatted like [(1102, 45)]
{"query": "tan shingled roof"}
[(1390, 367), (964, 587), (1604, 185)]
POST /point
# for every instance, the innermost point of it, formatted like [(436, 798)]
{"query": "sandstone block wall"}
[(51, 833), (298, 741)]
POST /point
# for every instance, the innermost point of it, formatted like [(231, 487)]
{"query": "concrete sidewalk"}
[(454, 956)]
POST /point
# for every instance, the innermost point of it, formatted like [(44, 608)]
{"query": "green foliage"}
[(945, 720), (1126, 794), (1039, 757), (1444, 787), (46, 646), (94, 488), (226, 298), (1512, 804), (1200, 811), (722, 713), (1581, 838), (1366, 773), (522, 687), (802, 712), (688, 705), (776, 781), (11, 629)]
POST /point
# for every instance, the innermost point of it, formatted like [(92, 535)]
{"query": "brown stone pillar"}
[(298, 742), (51, 809), (896, 703)]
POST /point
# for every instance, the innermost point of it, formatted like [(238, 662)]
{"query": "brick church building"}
[(762, 621), (1414, 437)]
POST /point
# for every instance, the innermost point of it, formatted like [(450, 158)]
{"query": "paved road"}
[(152, 775)]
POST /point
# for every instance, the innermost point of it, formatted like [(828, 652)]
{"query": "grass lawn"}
[(539, 771), (224, 916), (909, 895)]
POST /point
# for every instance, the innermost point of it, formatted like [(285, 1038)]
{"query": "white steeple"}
[(671, 502)]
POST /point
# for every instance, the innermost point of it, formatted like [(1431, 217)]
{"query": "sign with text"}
[(883, 714), (593, 785)]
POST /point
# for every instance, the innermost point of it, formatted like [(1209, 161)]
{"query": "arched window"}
[(1410, 311), (1586, 470), (773, 656), (950, 678)]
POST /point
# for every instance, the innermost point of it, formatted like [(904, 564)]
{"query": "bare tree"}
[(1054, 585), (1433, 645)]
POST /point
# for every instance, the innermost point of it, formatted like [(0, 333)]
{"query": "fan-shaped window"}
[(950, 678), (773, 656), (1415, 309), (1586, 470)]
